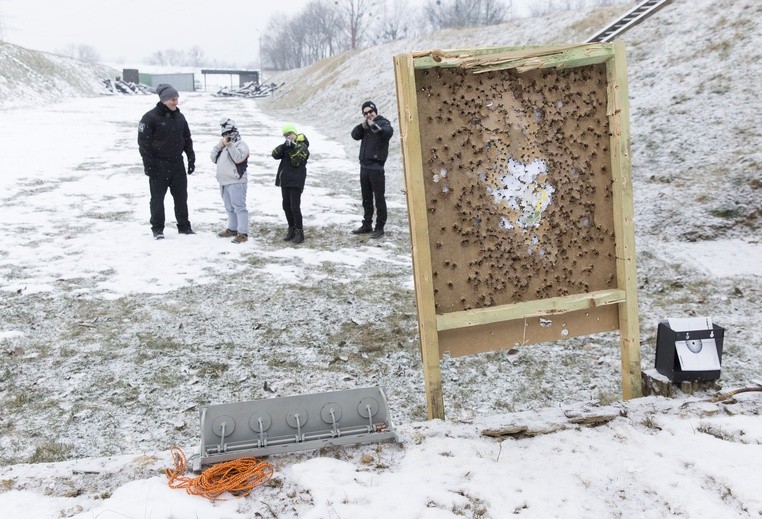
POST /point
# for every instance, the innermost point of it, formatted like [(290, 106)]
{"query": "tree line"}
[(328, 27)]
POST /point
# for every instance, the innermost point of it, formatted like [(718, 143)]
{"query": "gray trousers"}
[(234, 198)]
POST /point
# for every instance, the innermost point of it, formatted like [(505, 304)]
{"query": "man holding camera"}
[(163, 136), (374, 132)]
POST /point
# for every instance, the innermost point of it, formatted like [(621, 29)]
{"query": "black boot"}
[(290, 234), (365, 228), (298, 236)]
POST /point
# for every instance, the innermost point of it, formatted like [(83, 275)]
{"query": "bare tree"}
[(355, 14), (322, 24), (285, 44), (466, 13), (88, 53), (169, 57), (395, 22), (195, 56)]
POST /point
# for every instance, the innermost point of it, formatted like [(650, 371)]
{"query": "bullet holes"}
[(517, 180)]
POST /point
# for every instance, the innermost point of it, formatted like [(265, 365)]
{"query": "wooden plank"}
[(410, 139), (458, 342), (544, 307), (624, 228), (520, 58), (567, 58)]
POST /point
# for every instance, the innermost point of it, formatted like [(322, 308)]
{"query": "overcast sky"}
[(127, 32)]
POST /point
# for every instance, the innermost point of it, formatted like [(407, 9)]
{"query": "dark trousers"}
[(292, 205), (169, 175), (373, 187)]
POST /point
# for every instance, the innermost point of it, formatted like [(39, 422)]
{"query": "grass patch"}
[(158, 344), (50, 451), (16, 401), (212, 369)]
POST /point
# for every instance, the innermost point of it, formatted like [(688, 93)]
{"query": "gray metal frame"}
[(295, 423)]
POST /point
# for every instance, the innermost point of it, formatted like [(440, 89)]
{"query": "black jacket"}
[(374, 147), (292, 170), (163, 135)]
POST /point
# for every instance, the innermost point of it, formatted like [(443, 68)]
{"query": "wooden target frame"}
[(519, 193)]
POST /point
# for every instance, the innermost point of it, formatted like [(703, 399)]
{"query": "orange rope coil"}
[(239, 477)]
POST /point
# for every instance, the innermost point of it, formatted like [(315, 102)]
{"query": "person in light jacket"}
[(291, 177), (231, 154)]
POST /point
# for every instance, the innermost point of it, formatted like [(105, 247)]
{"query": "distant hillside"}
[(331, 91), (30, 76), (693, 68)]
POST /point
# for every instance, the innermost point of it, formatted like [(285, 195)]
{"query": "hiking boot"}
[(186, 231), (377, 234), (363, 229), (240, 238), (158, 235), (290, 234), (227, 233), (298, 236)]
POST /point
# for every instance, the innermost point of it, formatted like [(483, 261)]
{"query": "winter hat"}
[(227, 125), (288, 128), (166, 92), (369, 104)]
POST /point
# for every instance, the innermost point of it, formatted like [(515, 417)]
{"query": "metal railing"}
[(633, 17)]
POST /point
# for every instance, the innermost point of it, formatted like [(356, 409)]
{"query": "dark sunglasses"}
[(366, 112)]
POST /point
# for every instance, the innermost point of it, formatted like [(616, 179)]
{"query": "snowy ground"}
[(110, 341)]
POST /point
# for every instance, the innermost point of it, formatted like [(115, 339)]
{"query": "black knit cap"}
[(369, 104)]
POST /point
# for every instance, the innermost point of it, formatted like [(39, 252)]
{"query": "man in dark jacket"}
[(163, 136), (374, 133)]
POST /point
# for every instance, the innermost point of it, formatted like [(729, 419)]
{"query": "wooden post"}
[(416, 202), (629, 326)]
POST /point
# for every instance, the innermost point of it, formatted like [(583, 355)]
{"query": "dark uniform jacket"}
[(163, 136), (374, 147), (292, 170)]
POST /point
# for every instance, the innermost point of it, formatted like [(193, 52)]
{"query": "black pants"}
[(292, 205), (169, 175), (373, 187)]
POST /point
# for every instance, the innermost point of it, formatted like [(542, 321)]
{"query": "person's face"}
[(369, 114), (171, 103), (290, 136)]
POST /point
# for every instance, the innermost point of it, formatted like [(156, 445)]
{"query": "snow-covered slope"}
[(31, 77)]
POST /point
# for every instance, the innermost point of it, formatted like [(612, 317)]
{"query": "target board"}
[(518, 181)]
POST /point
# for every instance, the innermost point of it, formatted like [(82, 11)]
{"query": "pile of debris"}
[(118, 86), (250, 89)]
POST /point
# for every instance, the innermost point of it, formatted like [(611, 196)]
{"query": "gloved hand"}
[(191, 167), (375, 128), (365, 124), (289, 143)]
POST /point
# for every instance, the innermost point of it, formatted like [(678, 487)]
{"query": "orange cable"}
[(239, 477)]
